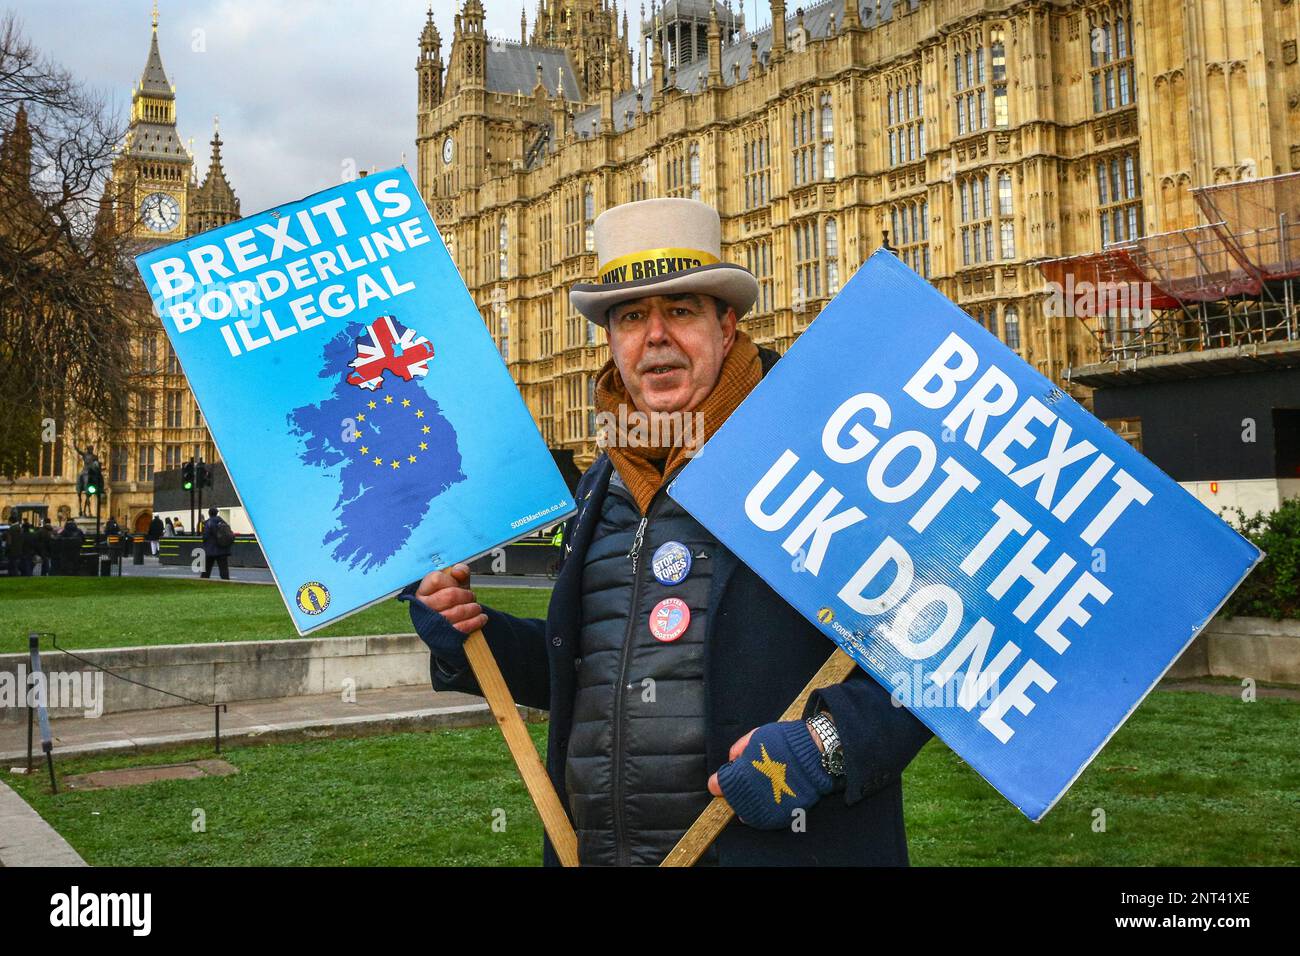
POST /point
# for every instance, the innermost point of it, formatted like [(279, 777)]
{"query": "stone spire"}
[(153, 81), (16, 154), (715, 49), (778, 30), (656, 57), (152, 131), (428, 66), (607, 96), (214, 202)]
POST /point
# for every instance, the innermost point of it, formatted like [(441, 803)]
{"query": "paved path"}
[(291, 718), (26, 839)]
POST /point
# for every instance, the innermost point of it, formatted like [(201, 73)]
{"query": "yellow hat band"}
[(649, 263)]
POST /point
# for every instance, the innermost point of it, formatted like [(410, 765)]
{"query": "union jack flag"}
[(387, 346)]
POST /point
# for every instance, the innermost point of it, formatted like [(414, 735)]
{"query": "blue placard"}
[(1014, 572), (362, 409)]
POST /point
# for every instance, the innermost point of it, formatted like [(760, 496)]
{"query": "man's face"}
[(669, 349)]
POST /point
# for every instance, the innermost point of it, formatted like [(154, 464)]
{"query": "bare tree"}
[(68, 289)]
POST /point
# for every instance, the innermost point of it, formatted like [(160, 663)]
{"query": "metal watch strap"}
[(832, 750)]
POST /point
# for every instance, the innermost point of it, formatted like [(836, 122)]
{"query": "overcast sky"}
[(301, 86)]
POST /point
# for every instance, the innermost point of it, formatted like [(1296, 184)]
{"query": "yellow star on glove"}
[(775, 772)]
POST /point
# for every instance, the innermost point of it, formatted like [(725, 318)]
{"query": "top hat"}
[(661, 247)]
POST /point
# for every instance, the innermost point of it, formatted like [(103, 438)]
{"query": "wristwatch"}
[(832, 751)]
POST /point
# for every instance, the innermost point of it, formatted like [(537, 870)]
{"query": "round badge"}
[(671, 562), (669, 619), (313, 597)]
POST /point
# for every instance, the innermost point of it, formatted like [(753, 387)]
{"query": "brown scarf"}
[(642, 464)]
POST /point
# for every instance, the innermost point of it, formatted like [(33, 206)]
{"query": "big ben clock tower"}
[(153, 197), (152, 173)]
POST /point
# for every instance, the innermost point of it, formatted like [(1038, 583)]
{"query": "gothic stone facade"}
[(982, 135)]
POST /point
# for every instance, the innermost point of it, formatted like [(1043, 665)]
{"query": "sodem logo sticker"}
[(313, 597)]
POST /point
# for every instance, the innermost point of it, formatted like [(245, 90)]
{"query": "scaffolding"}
[(1225, 284)]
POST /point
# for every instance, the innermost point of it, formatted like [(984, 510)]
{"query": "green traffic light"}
[(92, 490), (189, 486)]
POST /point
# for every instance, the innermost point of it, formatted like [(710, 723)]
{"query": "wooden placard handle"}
[(545, 799), (718, 813)]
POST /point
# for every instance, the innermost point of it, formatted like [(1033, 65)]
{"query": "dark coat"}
[(210, 546), (45, 541), (761, 653), (155, 529)]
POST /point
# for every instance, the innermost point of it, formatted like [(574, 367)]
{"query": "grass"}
[(399, 800), (1193, 779), (130, 612)]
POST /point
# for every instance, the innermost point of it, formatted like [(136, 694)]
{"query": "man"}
[(45, 547), (14, 544), (216, 545), (154, 534), (664, 660), (27, 561), (69, 548)]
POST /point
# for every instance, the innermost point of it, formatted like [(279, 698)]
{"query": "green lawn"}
[(128, 612), (1193, 779), (399, 800)]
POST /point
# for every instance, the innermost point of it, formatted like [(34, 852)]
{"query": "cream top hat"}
[(661, 247)]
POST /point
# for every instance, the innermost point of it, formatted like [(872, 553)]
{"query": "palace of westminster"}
[(974, 137)]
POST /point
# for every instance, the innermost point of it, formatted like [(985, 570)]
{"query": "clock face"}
[(160, 212), (448, 150)]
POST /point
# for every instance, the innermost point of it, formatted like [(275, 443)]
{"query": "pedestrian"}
[(167, 530), (45, 547), (662, 650), (14, 544), (124, 538), (218, 540), (69, 545), (155, 532), (27, 559)]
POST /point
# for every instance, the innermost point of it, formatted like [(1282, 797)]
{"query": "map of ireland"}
[(377, 428)]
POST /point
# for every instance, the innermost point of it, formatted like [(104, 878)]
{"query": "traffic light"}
[(187, 476), (204, 476)]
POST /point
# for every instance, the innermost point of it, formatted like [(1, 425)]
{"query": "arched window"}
[(503, 249), (832, 247), (589, 217), (1011, 327), (695, 170), (828, 137)]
